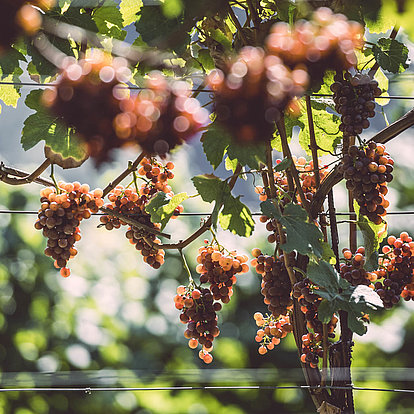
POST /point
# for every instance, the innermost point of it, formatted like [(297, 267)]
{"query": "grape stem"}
[(292, 168), (131, 167), (52, 176), (313, 144), (135, 223), (253, 13), (26, 177), (185, 265)]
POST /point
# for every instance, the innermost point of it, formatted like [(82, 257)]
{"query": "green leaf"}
[(129, 10), (236, 217), (159, 31), (324, 275), (373, 235), (10, 71), (109, 20), (162, 207), (325, 310), (391, 55), (231, 165), (215, 142), (301, 236), (206, 60), (326, 127), (77, 16), (209, 187), (251, 155), (290, 123), (42, 126)]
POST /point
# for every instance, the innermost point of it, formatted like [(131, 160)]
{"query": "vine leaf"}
[(251, 154), (42, 126), (283, 165), (109, 20), (373, 235), (10, 71), (235, 216), (391, 55), (215, 142), (129, 10), (338, 295), (301, 236), (162, 207)]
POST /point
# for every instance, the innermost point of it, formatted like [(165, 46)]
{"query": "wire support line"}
[(134, 87), (343, 213), (89, 390)]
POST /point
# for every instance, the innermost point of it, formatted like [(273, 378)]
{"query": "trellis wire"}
[(133, 87), (343, 213), (89, 390)]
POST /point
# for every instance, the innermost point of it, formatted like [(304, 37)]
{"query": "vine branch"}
[(131, 167), (24, 177)]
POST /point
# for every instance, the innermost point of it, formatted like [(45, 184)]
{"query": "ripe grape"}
[(271, 330), (252, 92), (162, 116), (354, 98), (59, 217), (367, 171), (199, 314), (276, 286), (326, 42), (396, 272), (220, 270), (353, 269)]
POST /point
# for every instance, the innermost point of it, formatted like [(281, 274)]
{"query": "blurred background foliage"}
[(113, 323)]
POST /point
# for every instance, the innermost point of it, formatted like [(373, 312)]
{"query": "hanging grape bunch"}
[(353, 269), (396, 271), (276, 286), (161, 116), (18, 17), (367, 171), (88, 97), (253, 92), (131, 204), (271, 330), (198, 311), (59, 217), (326, 42), (354, 98), (219, 270)]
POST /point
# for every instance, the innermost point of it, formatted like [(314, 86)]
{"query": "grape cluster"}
[(252, 92), (396, 270), (326, 42), (88, 97), (367, 172), (271, 330), (129, 204), (198, 311), (354, 98), (158, 118), (18, 17), (59, 217), (220, 270), (162, 116), (353, 269), (276, 286), (306, 294), (312, 349)]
